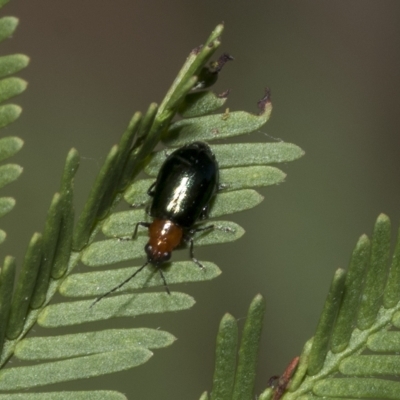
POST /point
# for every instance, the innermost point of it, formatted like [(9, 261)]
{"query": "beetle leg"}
[(164, 280), (144, 224), (189, 238), (194, 259), (147, 209), (205, 228)]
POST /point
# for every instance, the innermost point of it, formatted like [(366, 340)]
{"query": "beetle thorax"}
[(164, 236)]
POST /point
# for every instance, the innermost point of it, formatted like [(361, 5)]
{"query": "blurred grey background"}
[(333, 68)]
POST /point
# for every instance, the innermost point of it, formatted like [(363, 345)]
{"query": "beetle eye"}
[(166, 256), (148, 249)]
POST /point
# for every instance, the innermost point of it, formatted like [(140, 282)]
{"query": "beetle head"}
[(155, 255)]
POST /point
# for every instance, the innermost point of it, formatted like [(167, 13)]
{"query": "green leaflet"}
[(351, 297), (6, 205), (248, 177), (266, 394), (126, 305), (375, 279), (79, 344), (7, 278), (111, 251), (98, 283), (217, 126), (312, 397), (384, 341), (75, 368), (392, 291), (9, 113), (50, 240), (326, 323), (367, 365), (137, 128), (302, 366), (234, 374), (7, 26), (243, 388), (225, 359), (141, 148), (12, 63), (115, 183), (231, 202), (239, 155), (25, 287), (62, 252), (204, 396), (9, 173), (3, 2), (361, 388), (88, 216), (201, 103), (136, 194), (87, 395), (10, 87), (9, 146)]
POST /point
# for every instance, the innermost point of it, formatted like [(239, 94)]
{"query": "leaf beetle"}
[(181, 195)]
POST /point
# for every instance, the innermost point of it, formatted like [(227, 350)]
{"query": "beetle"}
[(181, 195)]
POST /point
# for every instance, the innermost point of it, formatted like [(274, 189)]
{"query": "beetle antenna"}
[(122, 284)]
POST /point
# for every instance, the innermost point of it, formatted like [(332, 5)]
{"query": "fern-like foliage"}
[(359, 318), (51, 256), (9, 87), (354, 353)]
